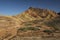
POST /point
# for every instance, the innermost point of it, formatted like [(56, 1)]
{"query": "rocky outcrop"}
[(35, 14)]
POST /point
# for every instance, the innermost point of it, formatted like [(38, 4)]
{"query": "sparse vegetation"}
[(29, 28), (55, 23), (47, 31)]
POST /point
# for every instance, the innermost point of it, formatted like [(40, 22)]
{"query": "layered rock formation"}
[(32, 22), (35, 14)]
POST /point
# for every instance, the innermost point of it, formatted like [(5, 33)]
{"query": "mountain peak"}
[(36, 14)]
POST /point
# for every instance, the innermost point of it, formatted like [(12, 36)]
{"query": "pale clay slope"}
[(8, 26)]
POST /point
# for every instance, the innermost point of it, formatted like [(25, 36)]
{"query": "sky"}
[(13, 7)]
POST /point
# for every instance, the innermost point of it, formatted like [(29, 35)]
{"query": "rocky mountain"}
[(34, 22), (35, 14), (34, 17)]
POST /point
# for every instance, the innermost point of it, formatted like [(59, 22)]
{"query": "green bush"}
[(48, 31), (29, 28), (22, 29), (33, 28)]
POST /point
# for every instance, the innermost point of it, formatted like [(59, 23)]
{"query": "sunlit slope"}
[(8, 21), (35, 14)]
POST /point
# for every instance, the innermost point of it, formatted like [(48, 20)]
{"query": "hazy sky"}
[(13, 7)]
